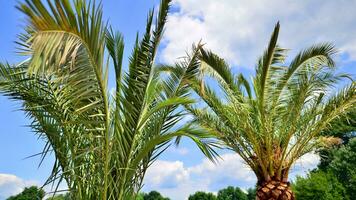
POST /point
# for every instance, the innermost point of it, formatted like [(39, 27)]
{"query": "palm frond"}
[(103, 144), (279, 118)]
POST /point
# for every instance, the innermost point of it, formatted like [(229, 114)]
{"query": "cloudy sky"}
[(238, 30)]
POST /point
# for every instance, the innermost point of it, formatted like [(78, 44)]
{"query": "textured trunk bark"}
[(274, 190)]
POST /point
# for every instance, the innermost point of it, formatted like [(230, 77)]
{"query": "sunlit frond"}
[(103, 142), (277, 117)]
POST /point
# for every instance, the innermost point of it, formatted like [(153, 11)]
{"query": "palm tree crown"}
[(103, 143), (277, 117)]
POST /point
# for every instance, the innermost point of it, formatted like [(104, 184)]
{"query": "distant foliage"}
[(60, 197), (343, 166), (153, 195), (202, 196), (251, 194), (335, 177), (231, 193), (30, 193), (319, 185), (343, 127)]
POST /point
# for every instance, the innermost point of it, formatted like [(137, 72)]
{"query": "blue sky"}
[(238, 30)]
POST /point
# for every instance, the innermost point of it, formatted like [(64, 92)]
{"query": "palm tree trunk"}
[(274, 190)]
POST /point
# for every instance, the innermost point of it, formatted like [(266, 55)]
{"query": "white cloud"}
[(304, 164), (173, 179), (309, 160), (166, 174), (230, 167), (177, 181), (11, 184), (239, 30)]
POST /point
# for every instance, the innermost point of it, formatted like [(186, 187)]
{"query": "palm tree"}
[(103, 141), (277, 117)]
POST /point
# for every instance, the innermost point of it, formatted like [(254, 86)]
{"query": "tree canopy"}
[(60, 197), (334, 178), (231, 193), (319, 185), (33, 193), (153, 195), (343, 165), (202, 196)]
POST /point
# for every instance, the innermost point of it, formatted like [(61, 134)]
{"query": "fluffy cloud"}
[(165, 174), (230, 170), (11, 184), (239, 29), (177, 181), (303, 164)]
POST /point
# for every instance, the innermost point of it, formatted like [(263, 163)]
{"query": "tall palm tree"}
[(277, 117), (103, 141)]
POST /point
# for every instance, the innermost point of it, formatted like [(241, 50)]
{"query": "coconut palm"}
[(103, 141), (277, 117)]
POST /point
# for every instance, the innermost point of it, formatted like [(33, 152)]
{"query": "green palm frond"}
[(277, 117), (103, 143)]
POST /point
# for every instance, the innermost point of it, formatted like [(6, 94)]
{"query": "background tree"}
[(231, 193), (32, 192), (336, 171), (202, 196), (154, 195), (277, 117), (251, 194), (343, 166), (343, 128), (319, 185), (103, 142), (60, 197)]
